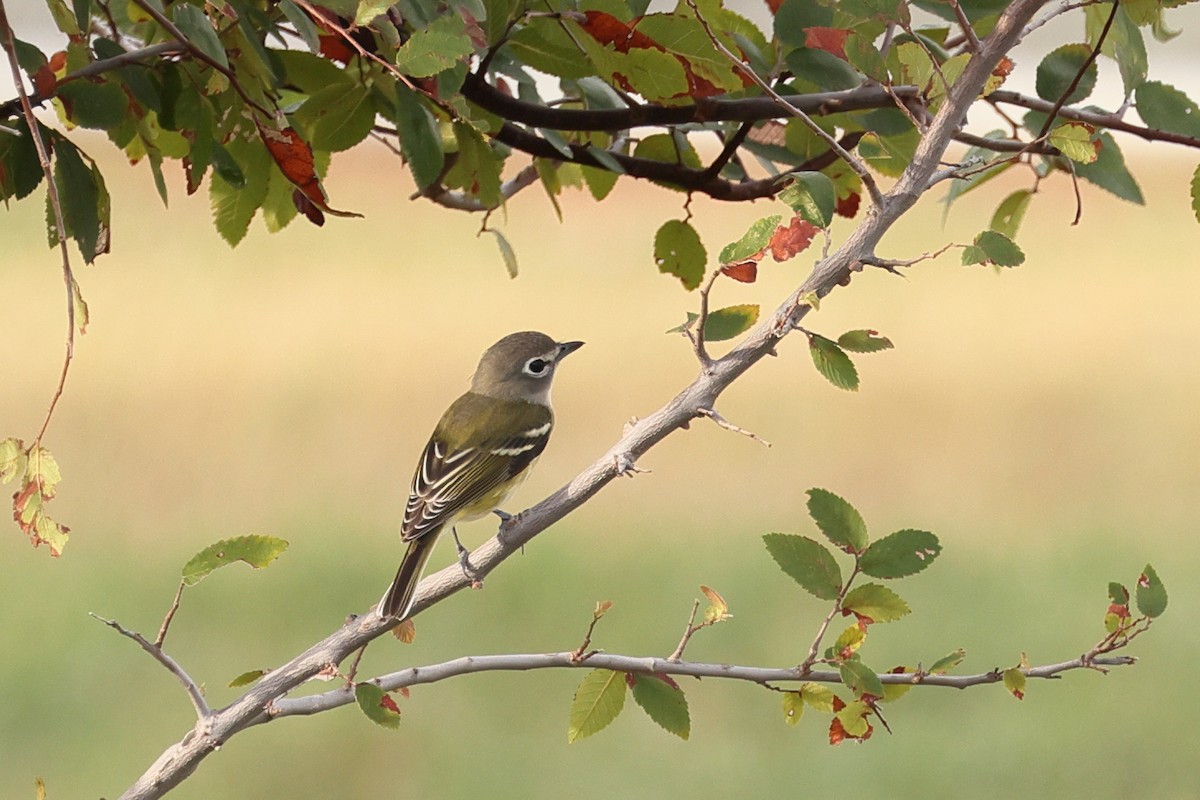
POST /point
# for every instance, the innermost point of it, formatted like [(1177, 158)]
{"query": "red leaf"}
[(831, 40), (790, 239), (334, 48), (743, 271), (58, 62), (387, 702), (1119, 611), (295, 160), (607, 29), (837, 733), (1003, 67), (774, 5), (44, 81), (308, 208), (848, 206)]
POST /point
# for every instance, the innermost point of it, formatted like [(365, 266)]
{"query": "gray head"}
[(520, 367)]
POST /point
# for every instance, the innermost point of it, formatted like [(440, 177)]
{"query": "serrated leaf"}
[(876, 602), (807, 562), (196, 26), (43, 469), (860, 679), (664, 703), (1058, 70), (1075, 141), (377, 705), (852, 719), (234, 207), (419, 138), (819, 697), (337, 117), (812, 196), (726, 323), (864, 341), (1151, 594), (947, 662), (832, 362), (257, 551), (838, 520), (1118, 593), (900, 554), (1014, 681), (753, 241), (992, 247), (793, 708), (81, 198), (506, 252), (678, 251), (435, 48), (101, 105), (246, 678), (597, 702)]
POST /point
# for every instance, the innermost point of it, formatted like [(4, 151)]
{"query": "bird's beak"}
[(565, 348)]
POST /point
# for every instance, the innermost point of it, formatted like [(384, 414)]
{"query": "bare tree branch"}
[(190, 686)]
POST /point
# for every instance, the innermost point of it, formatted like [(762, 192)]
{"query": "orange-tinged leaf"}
[(294, 158), (44, 81), (406, 631), (607, 29), (789, 240), (744, 271), (831, 40), (718, 609)]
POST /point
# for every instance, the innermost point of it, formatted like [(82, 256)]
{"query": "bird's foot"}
[(464, 563)]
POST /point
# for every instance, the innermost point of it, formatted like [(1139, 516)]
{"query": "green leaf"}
[(80, 196), (860, 679), (1075, 140), (337, 117), (838, 520), (247, 678), (807, 562), (234, 207), (99, 105), (1118, 594), (599, 181), (1151, 594), (226, 166), (819, 697), (992, 247), (477, 169), (1109, 173), (420, 140), (864, 341), (1059, 68), (900, 554), (1166, 108), (753, 241), (1124, 43), (370, 9), (894, 691), (377, 705), (257, 551), (947, 662), (726, 323), (678, 251), (506, 252), (653, 74), (303, 25), (812, 196), (832, 362), (853, 717), (196, 26), (1014, 681), (1010, 212), (664, 702), (597, 702), (849, 640), (436, 48), (544, 45), (875, 601), (793, 708), (20, 170)]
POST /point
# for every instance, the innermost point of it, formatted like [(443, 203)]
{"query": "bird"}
[(480, 451)]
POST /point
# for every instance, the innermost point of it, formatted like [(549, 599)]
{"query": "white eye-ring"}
[(537, 367)]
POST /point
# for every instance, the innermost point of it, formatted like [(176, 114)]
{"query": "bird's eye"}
[(536, 367)]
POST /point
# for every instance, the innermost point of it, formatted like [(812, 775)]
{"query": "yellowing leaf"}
[(247, 678), (876, 602), (257, 551), (1014, 681), (12, 459), (718, 609), (793, 707), (597, 702), (819, 697)]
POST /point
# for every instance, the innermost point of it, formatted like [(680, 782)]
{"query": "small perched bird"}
[(481, 449)]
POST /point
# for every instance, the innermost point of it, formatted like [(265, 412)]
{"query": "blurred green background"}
[(1041, 421)]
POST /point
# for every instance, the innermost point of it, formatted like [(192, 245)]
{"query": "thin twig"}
[(688, 632), (729, 426), (166, 623), (965, 24), (190, 686), (60, 227), (806, 665), (1062, 99), (890, 264)]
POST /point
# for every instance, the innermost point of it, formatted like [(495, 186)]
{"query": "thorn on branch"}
[(729, 426)]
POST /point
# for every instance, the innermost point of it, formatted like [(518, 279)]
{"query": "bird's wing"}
[(452, 478)]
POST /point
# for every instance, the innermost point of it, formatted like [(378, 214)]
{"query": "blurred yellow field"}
[(1041, 421)]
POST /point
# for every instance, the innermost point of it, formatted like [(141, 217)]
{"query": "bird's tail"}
[(399, 598)]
